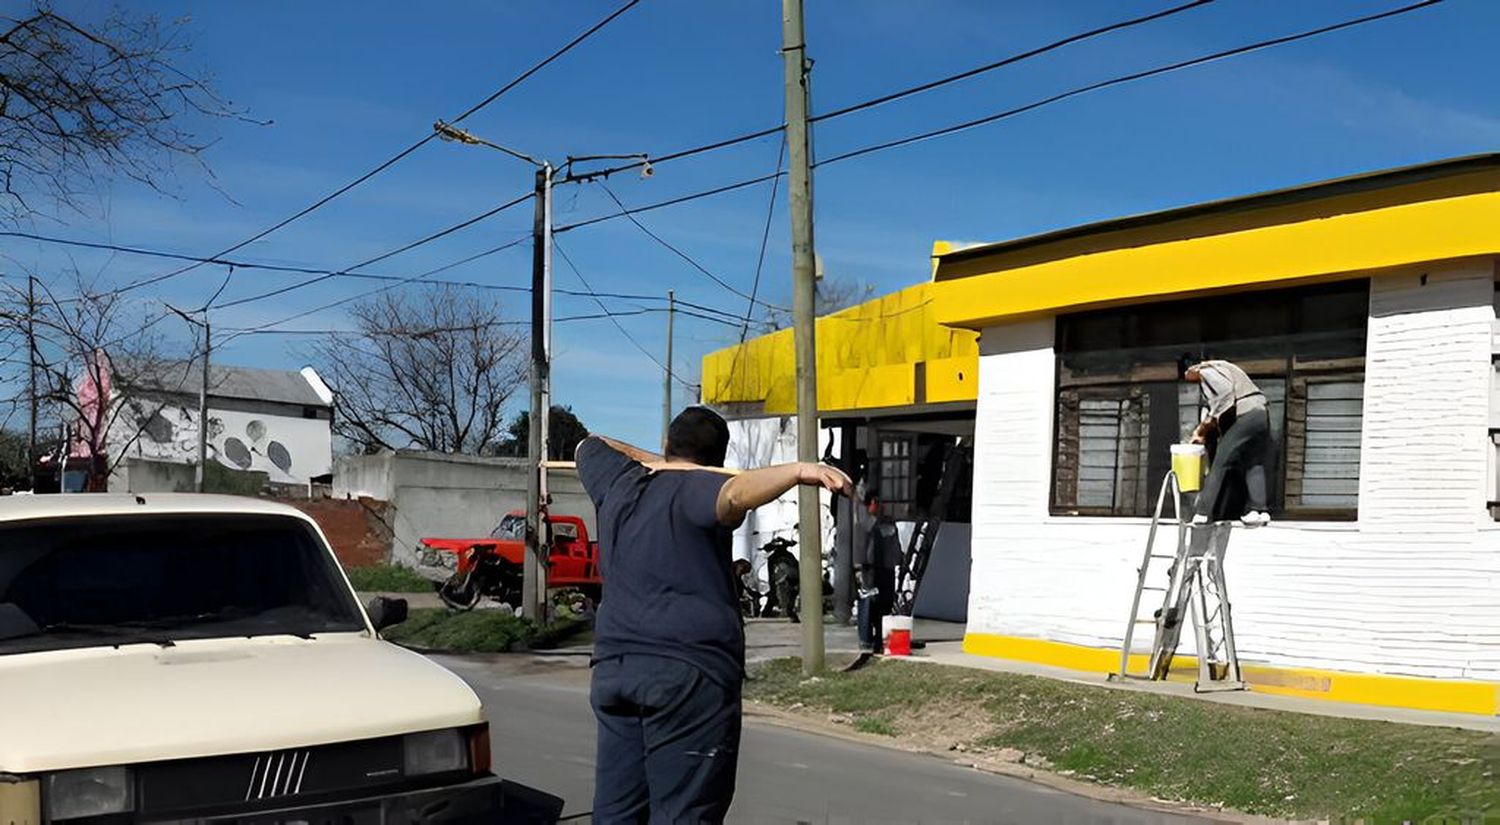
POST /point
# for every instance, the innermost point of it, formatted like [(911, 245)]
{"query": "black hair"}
[(1185, 362), (699, 435)]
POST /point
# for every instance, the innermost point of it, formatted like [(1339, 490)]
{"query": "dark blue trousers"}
[(669, 741)]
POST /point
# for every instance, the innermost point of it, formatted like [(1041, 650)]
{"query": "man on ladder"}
[(1236, 410)]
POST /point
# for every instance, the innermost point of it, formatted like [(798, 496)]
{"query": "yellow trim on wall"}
[(1326, 246), (1453, 696), (867, 357)]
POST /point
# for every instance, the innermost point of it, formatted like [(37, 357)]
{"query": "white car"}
[(198, 658)]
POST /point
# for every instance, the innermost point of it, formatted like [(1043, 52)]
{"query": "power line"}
[(399, 156), (1103, 84), (631, 338), (309, 270), (678, 252), (427, 332), (1263, 44), (901, 93), (663, 204), (392, 253), (765, 238)]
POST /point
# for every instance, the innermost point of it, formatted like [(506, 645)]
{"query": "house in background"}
[(278, 422)]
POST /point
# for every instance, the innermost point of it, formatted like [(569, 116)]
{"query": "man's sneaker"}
[(1256, 518), (1200, 520)]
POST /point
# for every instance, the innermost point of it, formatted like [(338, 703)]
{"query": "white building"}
[(1366, 309), (274, 421)]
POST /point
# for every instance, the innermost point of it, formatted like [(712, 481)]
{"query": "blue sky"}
[(347, 84)]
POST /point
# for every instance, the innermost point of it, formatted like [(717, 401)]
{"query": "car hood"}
[(139, 703)]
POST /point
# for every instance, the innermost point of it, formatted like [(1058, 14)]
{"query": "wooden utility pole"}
[(666, 398), (31, 455), (534, 571), (810, 534)]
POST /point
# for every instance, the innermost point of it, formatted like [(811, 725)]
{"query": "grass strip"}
[(1265, 762)]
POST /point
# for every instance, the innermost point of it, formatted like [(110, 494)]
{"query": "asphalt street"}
[(542, 732)]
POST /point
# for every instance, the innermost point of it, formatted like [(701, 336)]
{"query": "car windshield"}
[(510, 527), (84, 582)]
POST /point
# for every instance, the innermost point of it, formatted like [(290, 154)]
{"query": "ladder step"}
[(1151, 620), (1161, 556), (1157, 589)]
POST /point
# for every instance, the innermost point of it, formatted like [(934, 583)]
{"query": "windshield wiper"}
[(105, 631)]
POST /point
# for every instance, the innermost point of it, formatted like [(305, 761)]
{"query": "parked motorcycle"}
[(482, 573)]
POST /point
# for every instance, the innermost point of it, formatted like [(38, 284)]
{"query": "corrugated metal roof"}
[(225, 381)]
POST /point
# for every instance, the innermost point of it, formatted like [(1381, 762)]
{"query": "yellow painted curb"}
[(1448, 695)]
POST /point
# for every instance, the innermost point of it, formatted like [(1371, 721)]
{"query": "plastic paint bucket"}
[(898, 635), (1187, 463)]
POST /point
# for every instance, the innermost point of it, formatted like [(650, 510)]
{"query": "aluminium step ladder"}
[(1195, 589)]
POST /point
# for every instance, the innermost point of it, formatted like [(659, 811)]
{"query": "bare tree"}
[(831, 295), (80, 101), (430, 370), (90, 353)]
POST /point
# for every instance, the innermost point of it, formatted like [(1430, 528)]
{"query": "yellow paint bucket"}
[(1187, 463)]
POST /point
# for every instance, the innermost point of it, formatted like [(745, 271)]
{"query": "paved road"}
[(543, 735)]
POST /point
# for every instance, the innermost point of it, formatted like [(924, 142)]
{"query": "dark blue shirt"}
[(665, 562)]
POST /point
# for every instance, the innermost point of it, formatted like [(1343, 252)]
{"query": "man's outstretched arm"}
[(629, 451), (752, 488)]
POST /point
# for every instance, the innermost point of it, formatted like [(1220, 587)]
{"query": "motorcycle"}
[(481, 573), (785, 575)]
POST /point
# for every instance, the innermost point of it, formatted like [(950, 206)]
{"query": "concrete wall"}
[(432, 494), (1411, 588)]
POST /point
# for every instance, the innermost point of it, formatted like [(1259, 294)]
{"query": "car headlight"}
[(437, 751), (90, 792)]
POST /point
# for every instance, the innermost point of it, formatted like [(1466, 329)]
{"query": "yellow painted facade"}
[(1343, 237), (889, 352), (1448, 695)]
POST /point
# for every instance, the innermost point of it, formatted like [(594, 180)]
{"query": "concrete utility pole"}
[(31, 455), (799, 189), (534, 572), (202, 395), (666, 400), (203, 407), (534, 566)]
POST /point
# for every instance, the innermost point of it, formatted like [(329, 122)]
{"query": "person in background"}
[(876, 563), (669, 647), (1236, 409)]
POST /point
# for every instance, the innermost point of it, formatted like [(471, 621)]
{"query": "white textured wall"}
[(308, 441), (763, 442), (1412, 588)]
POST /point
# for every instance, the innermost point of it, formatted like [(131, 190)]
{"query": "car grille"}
[(227, 783)]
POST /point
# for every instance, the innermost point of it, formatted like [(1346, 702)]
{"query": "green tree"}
[(564, 432)]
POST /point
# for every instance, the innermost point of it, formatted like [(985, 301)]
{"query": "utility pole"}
[(810, 539), (31, 455), (203, 407), (202, 394), (538, 532), (534, 571), (666, 401)]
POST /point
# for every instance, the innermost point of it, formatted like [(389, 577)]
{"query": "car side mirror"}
[(385, 611)]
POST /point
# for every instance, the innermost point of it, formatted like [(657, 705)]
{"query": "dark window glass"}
[(80, 582), (1120, 406)]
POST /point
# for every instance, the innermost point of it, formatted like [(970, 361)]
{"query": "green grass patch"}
[(387, 578), (878, 725), (478, 631), (1256, 761)]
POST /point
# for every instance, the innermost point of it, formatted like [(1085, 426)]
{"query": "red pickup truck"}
[(472, 568)]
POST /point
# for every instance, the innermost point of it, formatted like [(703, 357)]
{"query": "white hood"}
[(139, 703)]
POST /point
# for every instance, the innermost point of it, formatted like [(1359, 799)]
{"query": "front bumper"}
[(487, 800)]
